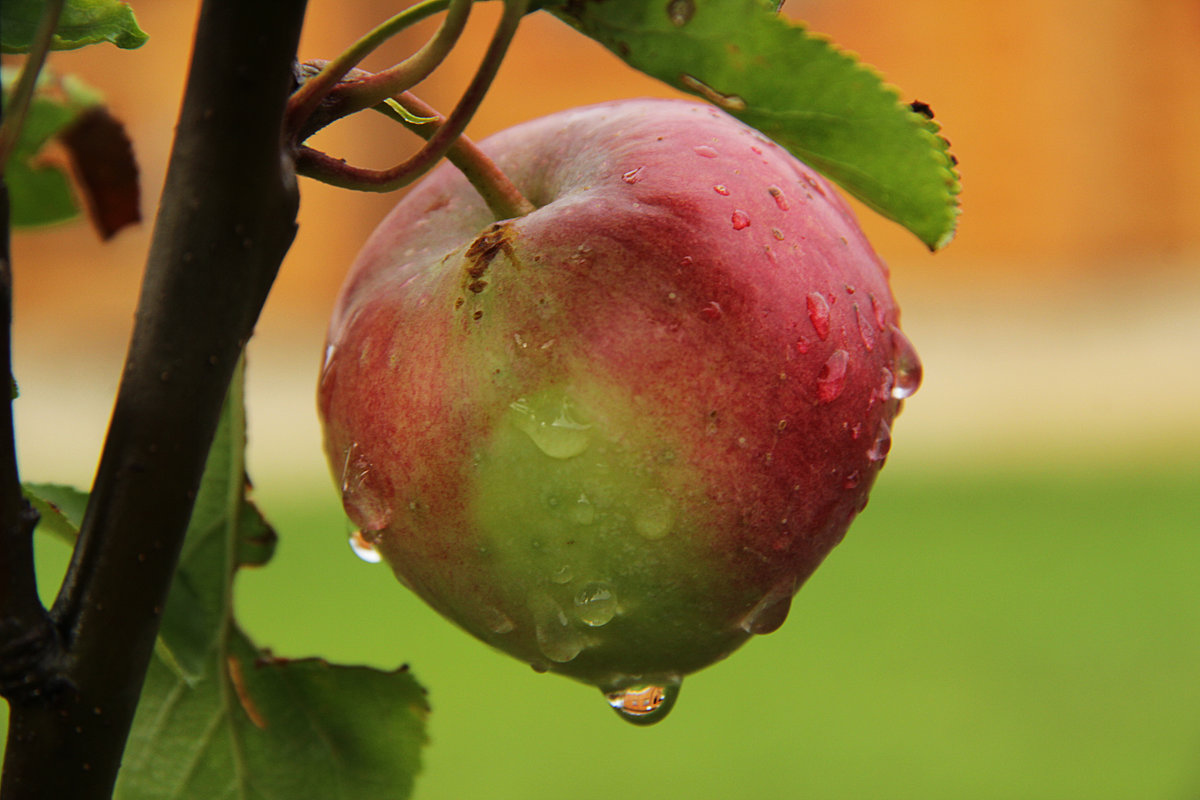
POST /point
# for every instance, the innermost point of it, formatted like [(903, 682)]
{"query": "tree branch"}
[(226, 220)]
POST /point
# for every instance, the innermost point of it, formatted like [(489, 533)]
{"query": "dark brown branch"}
[(226, 219)]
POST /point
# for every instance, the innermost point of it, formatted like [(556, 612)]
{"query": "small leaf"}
[(40, 187), (819, 102), (81, 23), (61, 509), (105, 168)]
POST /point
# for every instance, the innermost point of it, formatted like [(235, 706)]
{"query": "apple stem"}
[(408, 73), (445, 138)]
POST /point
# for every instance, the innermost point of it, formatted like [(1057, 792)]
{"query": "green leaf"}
[(61, 509), (832, 112), (81, 23), (40, 190), (220, 718)]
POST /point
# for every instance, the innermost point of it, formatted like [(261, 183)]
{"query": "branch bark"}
[(226, 220)]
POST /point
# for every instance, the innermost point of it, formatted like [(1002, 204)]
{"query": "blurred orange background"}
[(1072, 282)]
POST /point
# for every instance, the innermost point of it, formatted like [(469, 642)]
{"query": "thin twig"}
[(10, 128), (304, 101), (322, 167)]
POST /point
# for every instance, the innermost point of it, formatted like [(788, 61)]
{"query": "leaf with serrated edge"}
[(819, 102), (219, 718), (82, 22)]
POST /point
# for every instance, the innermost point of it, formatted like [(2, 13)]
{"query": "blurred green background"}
[(1015, 615)]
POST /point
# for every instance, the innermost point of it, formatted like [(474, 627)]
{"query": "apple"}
[(614, 436)]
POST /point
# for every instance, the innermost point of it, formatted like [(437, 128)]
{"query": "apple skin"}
[(613, 437)]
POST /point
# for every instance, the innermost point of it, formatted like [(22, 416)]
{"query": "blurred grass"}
[(980, 633)]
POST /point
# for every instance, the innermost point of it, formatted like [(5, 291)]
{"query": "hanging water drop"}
[(907, 364), (364, 549), (771, 611), (644, 703), (361, 498)]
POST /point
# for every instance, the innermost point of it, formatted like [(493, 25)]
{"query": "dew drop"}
[(778, 234), (851, 480), (832, 378), (680, 12), (582, 511), (497, 621), (886, 382), (721, 189), (882, 444), (654, 517), (596, 604), (907, 365), (711, 312), (633, 176), (780, 198), (364, 548), (557, 640), (818, 314), (704, 151), (644, 703), (553, 427), (770, 612), (740, 220), (361, 499), (866, 330), (562, 575)]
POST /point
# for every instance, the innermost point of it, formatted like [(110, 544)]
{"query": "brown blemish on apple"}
[(482, 252)]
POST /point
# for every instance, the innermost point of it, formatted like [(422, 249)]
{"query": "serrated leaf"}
[(219, 718), (82, 22), (829, 110), (61, 509)]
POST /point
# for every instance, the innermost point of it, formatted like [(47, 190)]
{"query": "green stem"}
[(22, 95), (310, 94), (321, 167)]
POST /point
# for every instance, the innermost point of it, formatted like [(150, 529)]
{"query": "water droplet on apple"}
[(680, 12), (552, 427), (361, 500), (497, 621), (851, 480), (780, 198), (818, 314), (771, 611), (364, 548), (704, 151), (778, 234), (562, 575), (882, 444), (907, 365), (711, 312), (886, 381), (644, 703), (721, 189), (596, 604), (557, 640), (582, 511), (866, 330), (740, 220), (654, 517), (832, 378), (633, 176)]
